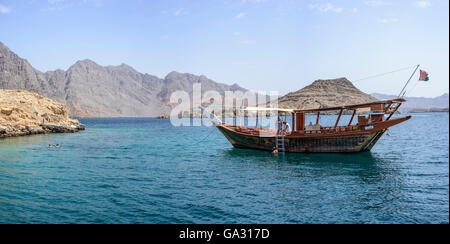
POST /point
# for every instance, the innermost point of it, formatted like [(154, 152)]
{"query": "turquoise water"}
[(146, 171)]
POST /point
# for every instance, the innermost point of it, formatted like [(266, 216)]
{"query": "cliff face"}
[(18, 73), (25, 113), (92, 90), (324, 94)]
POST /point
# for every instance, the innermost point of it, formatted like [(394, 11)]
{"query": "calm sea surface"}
[(146, 171)]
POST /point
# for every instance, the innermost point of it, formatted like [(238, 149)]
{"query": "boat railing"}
[(331, 130), (252, 131), (322, 130)]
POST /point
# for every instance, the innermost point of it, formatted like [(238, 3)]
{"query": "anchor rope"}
[(206, 137)]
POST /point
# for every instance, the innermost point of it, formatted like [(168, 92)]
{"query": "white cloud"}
[(55, 5), (180, 12), (253, 1), (388, 20), (377, 3), (4, 9), (60, 5), (55, 9), (422, 4), (240, 15), (326, 7)]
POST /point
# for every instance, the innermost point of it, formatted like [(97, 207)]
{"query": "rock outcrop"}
[(163, 116), (27, 113), (325, 94)]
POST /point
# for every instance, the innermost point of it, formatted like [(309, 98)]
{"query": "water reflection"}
[(361, 183), (368, 167)]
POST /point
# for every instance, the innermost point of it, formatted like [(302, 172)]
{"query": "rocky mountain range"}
[(324, 94), (420, 104), (92, 90)]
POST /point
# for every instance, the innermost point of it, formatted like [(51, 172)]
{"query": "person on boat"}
[(279, 123), (287, 127)]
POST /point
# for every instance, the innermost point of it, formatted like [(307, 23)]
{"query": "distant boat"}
[(351, 138)]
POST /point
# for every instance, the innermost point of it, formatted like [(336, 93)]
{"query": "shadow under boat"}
[(369, 167)]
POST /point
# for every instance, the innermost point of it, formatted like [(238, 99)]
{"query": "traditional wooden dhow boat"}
[(358, 135)]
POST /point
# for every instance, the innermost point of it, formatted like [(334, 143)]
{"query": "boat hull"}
[(332, 144)]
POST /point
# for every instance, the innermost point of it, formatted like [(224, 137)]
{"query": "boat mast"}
[(402, 93)]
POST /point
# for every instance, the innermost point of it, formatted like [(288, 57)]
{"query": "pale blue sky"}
[(262, 45)]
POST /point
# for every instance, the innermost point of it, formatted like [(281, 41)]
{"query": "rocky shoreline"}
[(44, 129), (24, 113)]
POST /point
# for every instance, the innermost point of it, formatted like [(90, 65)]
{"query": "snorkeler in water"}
[(50, 146), (57, 146)]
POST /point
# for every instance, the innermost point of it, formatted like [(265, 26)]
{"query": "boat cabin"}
[(373, 113)]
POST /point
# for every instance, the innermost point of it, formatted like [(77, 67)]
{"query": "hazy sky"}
[(262, 45)]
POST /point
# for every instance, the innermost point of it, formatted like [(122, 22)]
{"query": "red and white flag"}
[(424, 76)]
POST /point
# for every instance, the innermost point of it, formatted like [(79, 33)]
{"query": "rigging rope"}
[(410, 91), (383, 74)]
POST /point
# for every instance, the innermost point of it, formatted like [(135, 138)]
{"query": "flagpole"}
[(400, 95)]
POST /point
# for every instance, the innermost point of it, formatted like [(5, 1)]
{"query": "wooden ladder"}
[(279, 142)]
